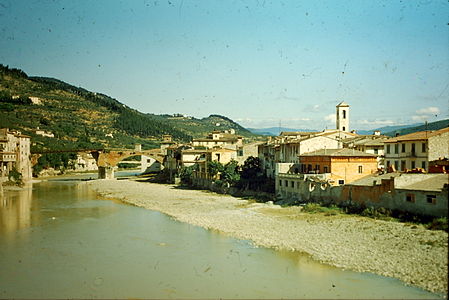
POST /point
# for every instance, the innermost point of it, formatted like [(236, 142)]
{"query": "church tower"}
[(343, 116)]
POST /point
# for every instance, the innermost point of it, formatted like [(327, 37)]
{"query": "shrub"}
[(438, 224), (15, 176)]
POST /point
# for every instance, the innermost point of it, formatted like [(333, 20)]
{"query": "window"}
[(376, 151), (292, 184), (360, 169), (410, 198), (423, 165), (413, 165), (396, 148), (280, 182), (413, 148), (396, 165), (317, 168), (344, 128), (341, 181), (344, 116), (325, 169), (431, 199), (388, 163), (388, 149), (424, 147), (403, 167), (402, 148), (297, 184)]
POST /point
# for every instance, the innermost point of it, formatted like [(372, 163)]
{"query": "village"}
[(407, 173)]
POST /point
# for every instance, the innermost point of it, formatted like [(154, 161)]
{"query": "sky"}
[(261, 63)]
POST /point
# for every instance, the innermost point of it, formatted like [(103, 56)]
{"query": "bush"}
[(331, 210), (186, 174), (15, 176), (438, 224)]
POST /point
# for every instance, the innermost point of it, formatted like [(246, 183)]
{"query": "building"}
[(342, 165), (225, 139), (247, 150), (15, 153), (416, 150), (420, 194), (342, 117), (373, 144), (290, 150)]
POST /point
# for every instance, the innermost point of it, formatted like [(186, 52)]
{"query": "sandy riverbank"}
[(410, 253)]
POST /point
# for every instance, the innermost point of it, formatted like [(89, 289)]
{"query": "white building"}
[(416, 150)]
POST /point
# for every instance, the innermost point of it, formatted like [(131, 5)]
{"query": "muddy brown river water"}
[(59, 240)]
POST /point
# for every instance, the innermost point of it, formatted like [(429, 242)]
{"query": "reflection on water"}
[(57, 240), (15, 210)]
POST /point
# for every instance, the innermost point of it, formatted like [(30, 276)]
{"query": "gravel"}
[(411, 253)]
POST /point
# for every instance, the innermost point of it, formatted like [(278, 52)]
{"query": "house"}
[(416, 150), (343, 165), (85, 162), (217, 138), (373, 144), (290, 150), (167, 141), (15, 153), (269, 154), (247, 150), (420, 194)]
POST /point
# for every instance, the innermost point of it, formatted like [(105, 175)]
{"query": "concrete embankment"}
[(408, 252)]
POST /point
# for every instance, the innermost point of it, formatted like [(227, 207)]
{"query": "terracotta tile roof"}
[(417, 136)]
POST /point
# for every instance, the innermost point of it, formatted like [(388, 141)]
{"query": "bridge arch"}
[(108, 160)]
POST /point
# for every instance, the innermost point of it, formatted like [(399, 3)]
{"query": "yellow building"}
[(341, 165)]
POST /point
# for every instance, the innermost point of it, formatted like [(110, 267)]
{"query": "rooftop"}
[(338, 152), (417, 136), (342, 103)]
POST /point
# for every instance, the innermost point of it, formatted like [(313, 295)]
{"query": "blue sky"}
[(260, 63)]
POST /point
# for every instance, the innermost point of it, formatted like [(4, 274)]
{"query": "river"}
[(59, 240)]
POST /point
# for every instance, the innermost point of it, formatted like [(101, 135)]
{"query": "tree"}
[(186, 174), (230, 173), (251, 168), (214, 167)]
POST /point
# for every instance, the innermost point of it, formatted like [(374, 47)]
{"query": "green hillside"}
[(82, 119), (430, 126)]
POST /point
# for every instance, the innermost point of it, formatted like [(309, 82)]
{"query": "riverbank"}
[(408, 252)]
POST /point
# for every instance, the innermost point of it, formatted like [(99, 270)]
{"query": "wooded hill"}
[(82, 119)]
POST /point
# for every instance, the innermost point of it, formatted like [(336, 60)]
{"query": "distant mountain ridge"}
[(422, 127), (274, 131), (386, 130)]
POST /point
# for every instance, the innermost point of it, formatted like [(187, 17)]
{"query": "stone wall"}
[(299, 188)]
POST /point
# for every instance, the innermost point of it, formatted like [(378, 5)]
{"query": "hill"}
[(275, 130), (386, 129), (429, 126), (79, 118)]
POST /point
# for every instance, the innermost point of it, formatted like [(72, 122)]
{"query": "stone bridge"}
[(107, 159)]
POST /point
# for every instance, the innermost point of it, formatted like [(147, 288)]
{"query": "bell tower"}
[(343, 116)]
